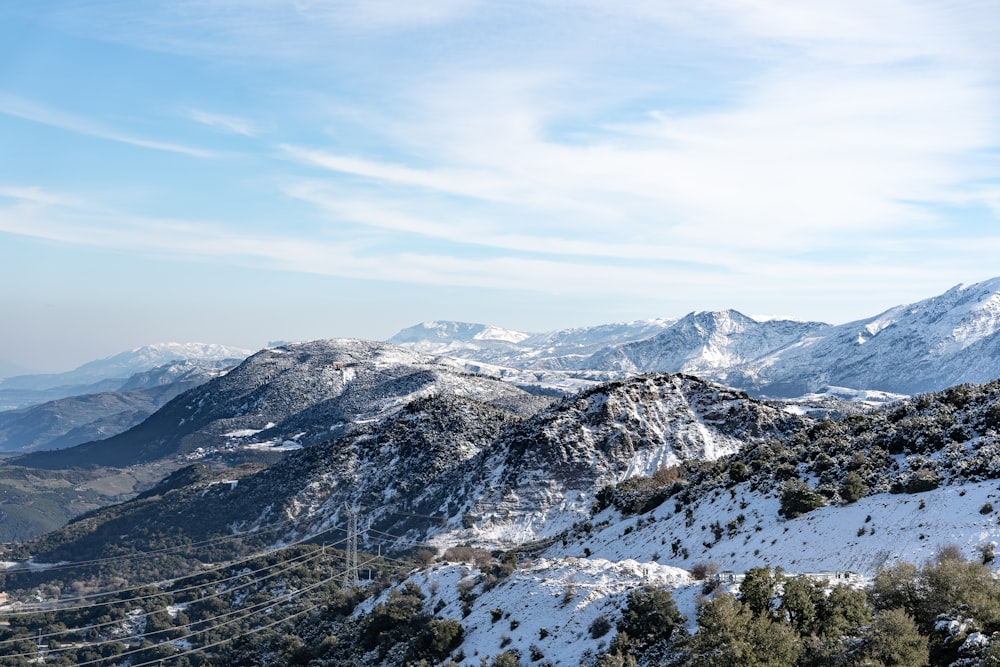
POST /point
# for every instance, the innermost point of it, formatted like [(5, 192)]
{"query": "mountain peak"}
[(442, 331)]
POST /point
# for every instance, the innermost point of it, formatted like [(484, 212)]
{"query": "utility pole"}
[(352, 547)]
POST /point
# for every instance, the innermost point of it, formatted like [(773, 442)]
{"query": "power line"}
[(242, 613), (62, 565), (40, 609), (288, 597), (291, 564)]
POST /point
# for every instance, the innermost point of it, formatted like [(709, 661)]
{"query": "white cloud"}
[(229, 124), (804, 157), (760, 139), (13, 105)]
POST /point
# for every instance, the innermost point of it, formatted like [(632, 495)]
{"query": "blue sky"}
[(239, 172)]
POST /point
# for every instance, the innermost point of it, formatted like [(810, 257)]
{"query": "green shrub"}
[(798, 499), (650, 616), (853, 487)]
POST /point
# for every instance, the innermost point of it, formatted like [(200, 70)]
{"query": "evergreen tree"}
[(731, 635), (895, 641)]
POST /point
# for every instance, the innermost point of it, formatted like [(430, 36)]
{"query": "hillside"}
[(94, 416), (286, 397), (647, 481)]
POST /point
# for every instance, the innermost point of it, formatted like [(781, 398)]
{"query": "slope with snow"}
[(926, 346), (306, 392), (704, 343)]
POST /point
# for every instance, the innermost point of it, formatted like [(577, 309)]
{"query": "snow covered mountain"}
[(286, 397), (553, 350), (107, 374), (925, 346), (643, 481), (932, 344), (704, 343)]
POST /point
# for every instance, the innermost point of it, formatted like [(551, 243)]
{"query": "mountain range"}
[(925, 346), (526, 484), (641, 481), (286, 397)]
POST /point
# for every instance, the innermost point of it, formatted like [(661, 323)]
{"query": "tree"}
[(650, 616), (730, 635), (757, 590), (843, 612), (894, 641), (897, 587), (799, 604), (853, 487)]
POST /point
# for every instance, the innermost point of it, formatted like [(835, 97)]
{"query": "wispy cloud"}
[(805, 158), (215, 242), (573, 145), (13, 105), (225, 123)]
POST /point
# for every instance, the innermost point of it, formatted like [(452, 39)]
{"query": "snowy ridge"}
[(310, 392), (702, 343), (547, 605), (929, 345), (925, 346), (545, 476)]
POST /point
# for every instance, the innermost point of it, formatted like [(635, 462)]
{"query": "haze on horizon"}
[(243, 172)]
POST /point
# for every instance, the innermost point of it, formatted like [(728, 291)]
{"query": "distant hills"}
[(76, 419), (104, 397), (106, 374)]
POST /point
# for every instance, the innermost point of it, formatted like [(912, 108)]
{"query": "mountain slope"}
[(299, 393), (448, 464), (704, 343), (925, 346)]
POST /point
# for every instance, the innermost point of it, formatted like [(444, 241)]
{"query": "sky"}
[(242, 172)]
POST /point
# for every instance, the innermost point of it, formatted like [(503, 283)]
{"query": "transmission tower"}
[(352, 547)]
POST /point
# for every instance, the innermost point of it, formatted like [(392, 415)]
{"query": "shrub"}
[(704, 570), (986, 508), (738, 472), (797, 499), (650, 616), (921, 480), (853, 487), (506, 659), (600, 626), (894, 640)]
